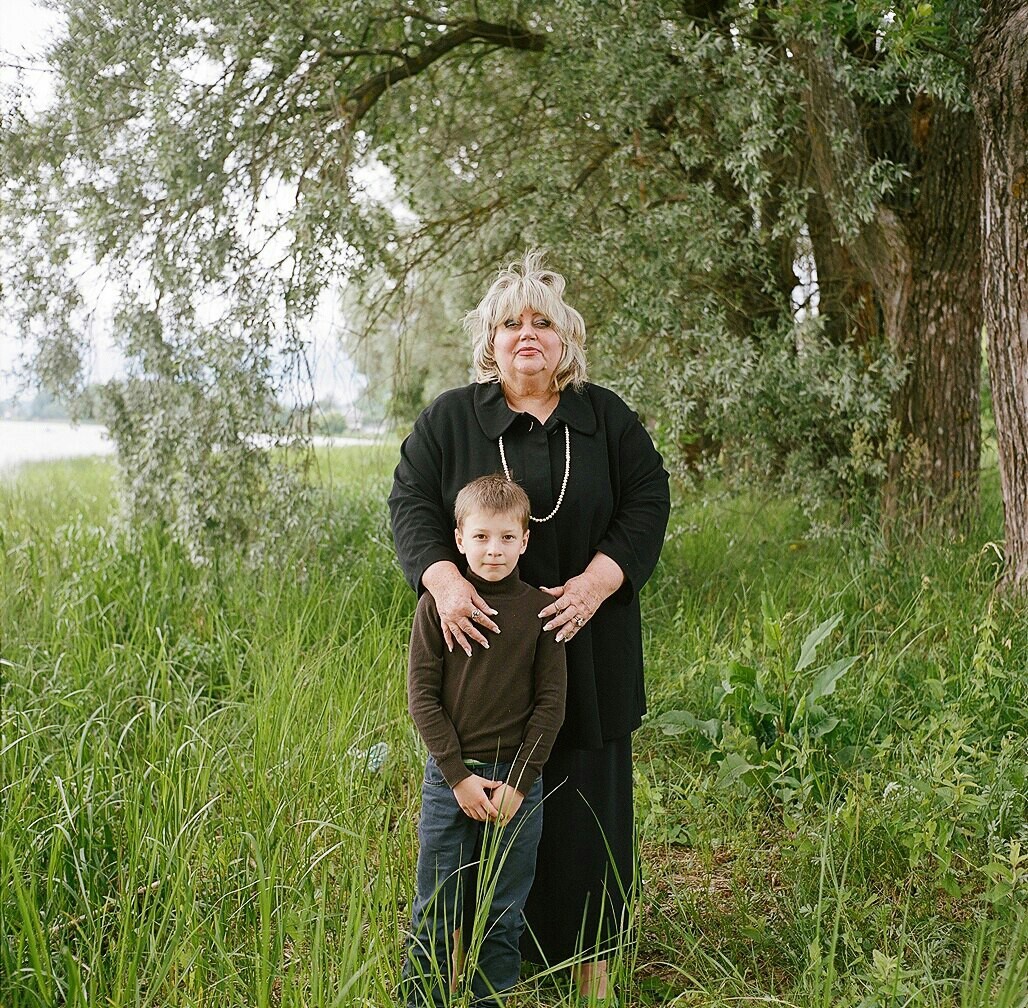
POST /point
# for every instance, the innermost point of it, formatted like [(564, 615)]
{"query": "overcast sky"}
[(25, 28)]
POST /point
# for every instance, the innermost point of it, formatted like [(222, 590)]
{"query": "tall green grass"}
[(192, 812)]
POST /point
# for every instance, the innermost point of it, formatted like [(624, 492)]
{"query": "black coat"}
[(616, 502)]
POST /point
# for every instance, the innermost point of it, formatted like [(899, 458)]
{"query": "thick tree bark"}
[(1000, 94), (921, 264), (846, 299), (933, 473)]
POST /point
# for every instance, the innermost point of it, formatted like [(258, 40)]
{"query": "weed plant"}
[(209, 782)]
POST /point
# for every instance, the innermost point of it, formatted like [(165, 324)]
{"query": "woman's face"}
[(527, 347)]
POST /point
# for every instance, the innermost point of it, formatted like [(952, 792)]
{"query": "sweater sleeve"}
[(550, 673), (425, 693), (636, 534), (422, 531)]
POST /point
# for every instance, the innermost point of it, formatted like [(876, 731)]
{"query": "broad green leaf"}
[(760, 704), (814, 638), (733, 767), (739, 675), (825, 727), (678, 722), (824, 684)]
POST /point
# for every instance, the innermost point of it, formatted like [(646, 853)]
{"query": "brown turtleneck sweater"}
[(504, 703)]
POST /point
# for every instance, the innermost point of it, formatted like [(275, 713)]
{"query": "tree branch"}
[(361, 99)]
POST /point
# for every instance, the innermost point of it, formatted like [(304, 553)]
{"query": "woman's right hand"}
[(461, 609)]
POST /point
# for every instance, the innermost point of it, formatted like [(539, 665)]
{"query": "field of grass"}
[(831, 783)]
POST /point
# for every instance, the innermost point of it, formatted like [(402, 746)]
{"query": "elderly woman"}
[(600, 506)]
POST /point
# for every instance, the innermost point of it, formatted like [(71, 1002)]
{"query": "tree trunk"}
[(1000, 94), (921, 261), (933, 471), (845, 298)]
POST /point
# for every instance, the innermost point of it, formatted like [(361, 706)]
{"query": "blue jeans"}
[(450, 842)]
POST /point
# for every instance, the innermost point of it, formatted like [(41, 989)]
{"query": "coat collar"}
[(495, 416)]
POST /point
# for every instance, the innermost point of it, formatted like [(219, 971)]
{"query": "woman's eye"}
[(511, 323), (543, 323)]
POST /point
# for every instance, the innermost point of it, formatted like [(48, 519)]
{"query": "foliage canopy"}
[(225, 163)]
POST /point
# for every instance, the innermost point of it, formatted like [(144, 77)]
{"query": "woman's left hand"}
[(579, 597)]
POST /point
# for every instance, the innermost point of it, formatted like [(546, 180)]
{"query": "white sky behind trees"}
[(25, 29)]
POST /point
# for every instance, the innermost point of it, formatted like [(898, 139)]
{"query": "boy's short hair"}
[(495, 494)]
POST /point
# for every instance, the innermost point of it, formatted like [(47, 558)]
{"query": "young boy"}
[(489, 721)]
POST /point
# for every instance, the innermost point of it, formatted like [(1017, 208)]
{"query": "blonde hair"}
[(521, 286), (495, 494)]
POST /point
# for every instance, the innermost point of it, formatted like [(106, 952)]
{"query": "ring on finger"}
[(475, 614), (579, 621)]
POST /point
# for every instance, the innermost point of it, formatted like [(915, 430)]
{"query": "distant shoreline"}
[(23, 441)]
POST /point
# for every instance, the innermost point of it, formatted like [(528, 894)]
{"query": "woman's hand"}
[(579, 597), (461, 609)]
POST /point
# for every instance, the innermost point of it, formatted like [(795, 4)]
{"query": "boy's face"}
[(492, 543)]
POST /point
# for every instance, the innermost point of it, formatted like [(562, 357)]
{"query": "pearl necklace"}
[(567, 473)]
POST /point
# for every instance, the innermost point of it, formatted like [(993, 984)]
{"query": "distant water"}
[(41, 440)]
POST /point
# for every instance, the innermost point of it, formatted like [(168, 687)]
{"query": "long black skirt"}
[(585, 869)]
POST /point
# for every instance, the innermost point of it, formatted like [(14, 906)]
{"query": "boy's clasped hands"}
[(488, 800)]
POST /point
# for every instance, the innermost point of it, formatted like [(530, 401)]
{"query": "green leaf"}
[(678, 722), (814, 638), (733, 767), (999, 892), (762, 705), (824, 684), (739, 675), (825, 727)]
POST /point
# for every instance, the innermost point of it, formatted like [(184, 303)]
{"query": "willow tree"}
[(683, 154), (680, 160)]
